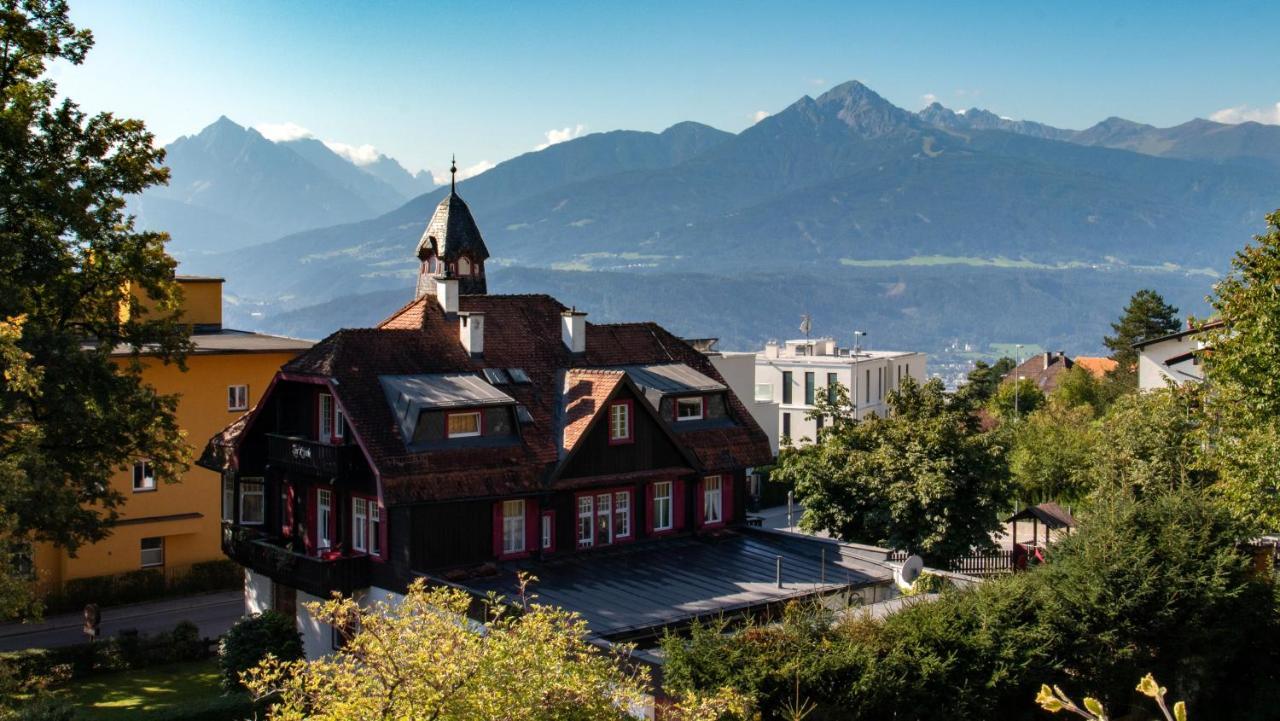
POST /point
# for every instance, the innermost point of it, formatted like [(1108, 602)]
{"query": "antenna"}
[(453, 172), (910, 571)]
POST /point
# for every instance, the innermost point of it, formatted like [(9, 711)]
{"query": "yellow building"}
[(172, 525)]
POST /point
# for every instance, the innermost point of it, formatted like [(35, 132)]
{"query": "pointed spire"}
[(453, 173)]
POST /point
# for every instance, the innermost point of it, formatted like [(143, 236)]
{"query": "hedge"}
[(45, 667), (144, 585)]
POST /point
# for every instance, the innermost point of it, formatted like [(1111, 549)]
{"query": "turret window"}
[(464, 266)]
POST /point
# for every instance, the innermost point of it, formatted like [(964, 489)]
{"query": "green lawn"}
[(174, 692)]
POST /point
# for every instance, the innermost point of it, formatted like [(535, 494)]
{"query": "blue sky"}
[(419, 80)]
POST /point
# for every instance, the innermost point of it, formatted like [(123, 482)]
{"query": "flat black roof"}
[(632, 590)]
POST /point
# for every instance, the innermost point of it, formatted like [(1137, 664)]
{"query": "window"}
[(144, 478), (326, 418), (375, 528), (359, 524), (879, 383), (237, 398), (662, 497), (808, 388), (831, 387), (787, 382), (620, 422), (253, 509), (689, 409), (548, 531), (622, 514), (464, 266), (228, 497), (712, 509), (339, 424), (604, 518), (820, 422), (786, 425), (324, 515), (152, 552), (464, 425), (518, 375), (586, 504), (868, 385), (512, 527), (764, 392)]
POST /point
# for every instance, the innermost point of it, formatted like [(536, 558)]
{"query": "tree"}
[(1152, 441), (923, 479), (985, 378), (74, 279), (1051, 453), (1079, 387), (1146, 316), (1016, 399), (422, 659)]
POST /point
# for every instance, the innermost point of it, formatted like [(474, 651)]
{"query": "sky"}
[(490, 80)]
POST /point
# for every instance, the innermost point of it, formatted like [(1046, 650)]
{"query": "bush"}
[(252, 638), (144, 585), (221, 575), (40, 668)]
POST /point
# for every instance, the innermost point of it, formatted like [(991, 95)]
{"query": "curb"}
[(137, 612)]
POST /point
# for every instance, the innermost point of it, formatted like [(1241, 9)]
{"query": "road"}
[(213, 613)]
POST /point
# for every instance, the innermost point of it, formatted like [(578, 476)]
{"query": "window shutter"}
[(532, 526), (648, 508), (727, 512), (312, 500), (677, 490), (497, 529), (699, 501)]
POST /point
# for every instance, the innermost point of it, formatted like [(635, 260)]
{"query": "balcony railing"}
[(304, 454), (317, 576)]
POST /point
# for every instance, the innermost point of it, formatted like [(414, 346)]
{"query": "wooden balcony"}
[(325, 460), (268, 556)]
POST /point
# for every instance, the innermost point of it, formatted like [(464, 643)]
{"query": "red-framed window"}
[(714, 501), (322, 520), (622, 422), (368, 532), (463, 424), (331, 422), (604, 516), (664, 503), (690, 408), (547, 532), (516, 527)]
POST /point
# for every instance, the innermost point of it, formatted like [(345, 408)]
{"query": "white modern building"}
[(1171, 359), (793, 375), (738, 368)]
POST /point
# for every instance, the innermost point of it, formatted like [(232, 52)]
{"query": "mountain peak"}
[(862, 109)]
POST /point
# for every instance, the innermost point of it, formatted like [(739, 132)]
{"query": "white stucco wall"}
[(739, 371), (1155, 373), (257, 592), (317, 637)]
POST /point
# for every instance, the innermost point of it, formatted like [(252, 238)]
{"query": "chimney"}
[(1048, 358), (447, 294), (471, 333), (573, 330)]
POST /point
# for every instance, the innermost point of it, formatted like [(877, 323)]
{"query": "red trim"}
[(631, 422), (550, 546), (677, 512), (312, 500), (530, 531), (613, 492), (702, 501), (450, 414), (648, 507), (371, 502)]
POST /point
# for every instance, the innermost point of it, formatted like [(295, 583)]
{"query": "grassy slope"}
[(163, 692)]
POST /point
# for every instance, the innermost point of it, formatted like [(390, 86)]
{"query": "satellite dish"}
[(909, 572)]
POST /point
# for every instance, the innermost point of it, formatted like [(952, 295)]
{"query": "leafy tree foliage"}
[(1150, 441), (421, 659), (70, 261), (984, 379), (923, 479), (1146, 316), (1051, 454), (1016, 399), (252, 639), (1079, 387)]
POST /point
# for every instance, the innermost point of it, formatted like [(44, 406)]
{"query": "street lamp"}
[(857, 346), (1017, 376)]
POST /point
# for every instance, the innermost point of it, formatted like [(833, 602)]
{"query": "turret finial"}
[(453, 173)]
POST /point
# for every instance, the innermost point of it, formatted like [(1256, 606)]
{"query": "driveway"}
[(213, 613)]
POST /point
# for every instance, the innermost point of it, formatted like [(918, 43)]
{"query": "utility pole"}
[(857, 346)]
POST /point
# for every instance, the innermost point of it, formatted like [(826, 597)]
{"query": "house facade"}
[(472, 435), (166, 527), (1172, 359), (794, 374)]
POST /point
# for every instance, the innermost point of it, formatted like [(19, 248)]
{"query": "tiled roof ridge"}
[(395, 315)]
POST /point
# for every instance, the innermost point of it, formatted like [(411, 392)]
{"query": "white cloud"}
[(817, 82), (759, 115), (359, 154), (281, 132), (559, 135), (929, 98), (441, 177), (1244, 114)]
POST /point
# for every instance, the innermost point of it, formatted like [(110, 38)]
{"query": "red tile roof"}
[(521, 331), (1099, 367)]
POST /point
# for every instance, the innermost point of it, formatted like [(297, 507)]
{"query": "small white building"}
[(794, 373), (1171, 358), (738, 368)]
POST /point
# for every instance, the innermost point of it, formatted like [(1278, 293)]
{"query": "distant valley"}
[(923, 227)]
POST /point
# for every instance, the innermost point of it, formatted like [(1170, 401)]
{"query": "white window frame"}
[(622, 514), (360, 524), (148, 476), (764, 393), (586, 512), (143, 551), (324, 519), (260, 493), (513, 526), (702, 408), (228, 498), (548, 529), (326, 417), (375, 528), (604, 518), (713, 499), (468, 434), (664, 497), (238, 397), (339, 422), (620, 421)]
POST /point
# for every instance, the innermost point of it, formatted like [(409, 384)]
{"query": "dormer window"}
[(690, 409), (466, 424), (620, 428), (464, 266)]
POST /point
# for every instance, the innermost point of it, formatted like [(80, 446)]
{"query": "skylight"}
[(518, 375), (496, 376)]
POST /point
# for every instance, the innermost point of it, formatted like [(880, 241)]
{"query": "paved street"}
[(213, 613)]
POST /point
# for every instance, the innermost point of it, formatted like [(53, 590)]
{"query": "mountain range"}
[(830, 197)]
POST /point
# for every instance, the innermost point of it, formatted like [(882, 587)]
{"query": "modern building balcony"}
[(316, 575), (321, 459)]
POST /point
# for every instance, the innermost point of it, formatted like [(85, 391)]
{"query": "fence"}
[(982, 564), (145, 585)]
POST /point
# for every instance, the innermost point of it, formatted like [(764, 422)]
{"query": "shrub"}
[(252, 638), (39, 668)]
